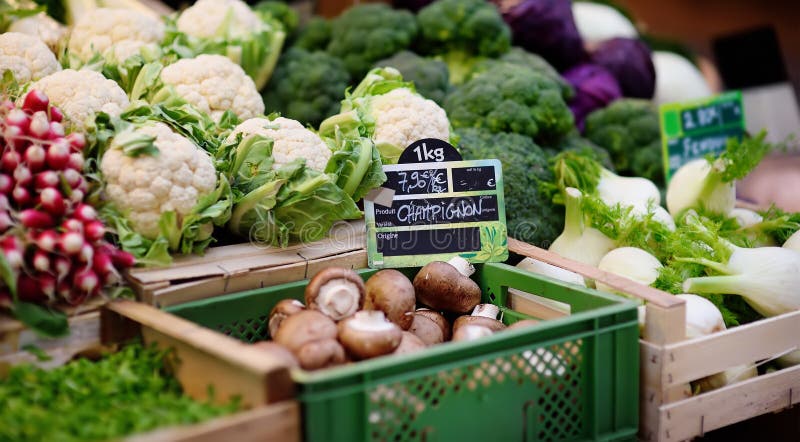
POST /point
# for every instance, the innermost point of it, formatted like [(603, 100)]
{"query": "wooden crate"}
[(235, 268), (669, 361), (235, 369)]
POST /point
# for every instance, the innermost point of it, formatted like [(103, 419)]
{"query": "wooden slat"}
[(616, 282), (536, 306), (84, 334), (691, 360), (652, 393), (206, 357), (764, 394), (274, 423)]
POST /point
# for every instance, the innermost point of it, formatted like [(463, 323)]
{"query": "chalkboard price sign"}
[(694, 129), (434, 206)]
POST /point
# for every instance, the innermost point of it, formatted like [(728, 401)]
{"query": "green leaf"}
[(40, 354), (42, 320), (8, 276)]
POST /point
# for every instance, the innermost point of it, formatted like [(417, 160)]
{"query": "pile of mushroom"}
[(344, 319)]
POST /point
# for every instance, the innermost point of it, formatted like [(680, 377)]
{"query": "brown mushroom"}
[(368, 334), (471, 332), (392, 293), (322, 353), (336, 291), (304, 327), (446, 286), (430, 326), (409, 343), (523, 323), (278, 351), (282, 310), (483, 315)]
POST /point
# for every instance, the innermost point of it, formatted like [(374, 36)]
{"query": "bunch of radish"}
[(51, 239)]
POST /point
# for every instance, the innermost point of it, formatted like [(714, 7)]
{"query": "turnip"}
[(35, 219), (35, 101), (52, 201)]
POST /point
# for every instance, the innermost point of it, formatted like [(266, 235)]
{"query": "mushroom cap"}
[(392, 293), (430, 326), (471, 332), (321, 353), (492, 324), (368, 334), (278, 351), (409, 343), (304, 327), (282, 310), (341, 300), (523, 323), (441, 287)]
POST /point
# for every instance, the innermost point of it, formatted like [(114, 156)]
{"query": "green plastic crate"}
[(572, 378)]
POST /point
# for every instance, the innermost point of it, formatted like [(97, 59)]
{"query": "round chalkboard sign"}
[(429, 150)]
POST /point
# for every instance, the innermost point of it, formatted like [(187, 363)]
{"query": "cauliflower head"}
[(102, 30), (214, 84), (207, 18), (290, 141), (146, 186), (41, 25), (27, 57), (402, 117), (81, 94)]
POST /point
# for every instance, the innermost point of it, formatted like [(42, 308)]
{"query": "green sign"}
[(694, 129), (435, 210)]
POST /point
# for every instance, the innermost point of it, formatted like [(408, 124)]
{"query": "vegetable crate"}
[(669, 361), (572, 378), (234, 268)]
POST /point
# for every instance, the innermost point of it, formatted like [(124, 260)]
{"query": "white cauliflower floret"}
[(100, 30), (402, 117), (41, 25), (81, 94), (205, 17), (214, 84), (27, 57), (146, 186), (291, 141)]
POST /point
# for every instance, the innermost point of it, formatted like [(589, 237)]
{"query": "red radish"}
[(4, 204), (56, 130), (85, 213), (61, 266), (77, 140), (94, 230), (48, 284), (43, 180), (10, 160), (86, 254), (22, 175), (75, 161), (41, 261), (122, 259), (64, 290), (47, 240), (72, 225), (28, 289), (55, 114), (58, 154), (40, 126), (12, 250), (6, 184), (52, 201), (76, 196), (7, 105), (34, 157), (18, 118), (5, 221), (35, 101), (36, 219), (86, 281), (102, 264), (13, 136), (73, 178), (72, 242), (22, 196)]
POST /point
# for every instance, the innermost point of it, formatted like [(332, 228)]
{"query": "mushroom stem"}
[(338, 298), (486, 310), (462, 265), (371, 321)]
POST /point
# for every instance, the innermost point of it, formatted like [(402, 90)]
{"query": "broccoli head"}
[(573, 142), (462, 32), (280, 11), (629, 130), (509, 98), (369, 32), (530, 215), (314, 35), (430, 77), (521, 57), (307, 86)]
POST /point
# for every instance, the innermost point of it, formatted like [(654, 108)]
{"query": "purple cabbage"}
[(595, 88), (631, 63), (545, 27)]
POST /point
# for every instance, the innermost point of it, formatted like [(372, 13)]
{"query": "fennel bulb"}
[(660, 214), (793, 243), (698, 183), (583, 244), (766, 277), (614, 189), (630, 262), (702, 316), (727, 377), (543, 268), (745, 217)]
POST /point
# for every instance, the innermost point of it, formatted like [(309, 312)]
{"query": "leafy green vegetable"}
[(520, 57), (124, 393), (280, 11), (356, 164), (44, 321), (307, 86), (314, 36), (12, 10), (430, 76)]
